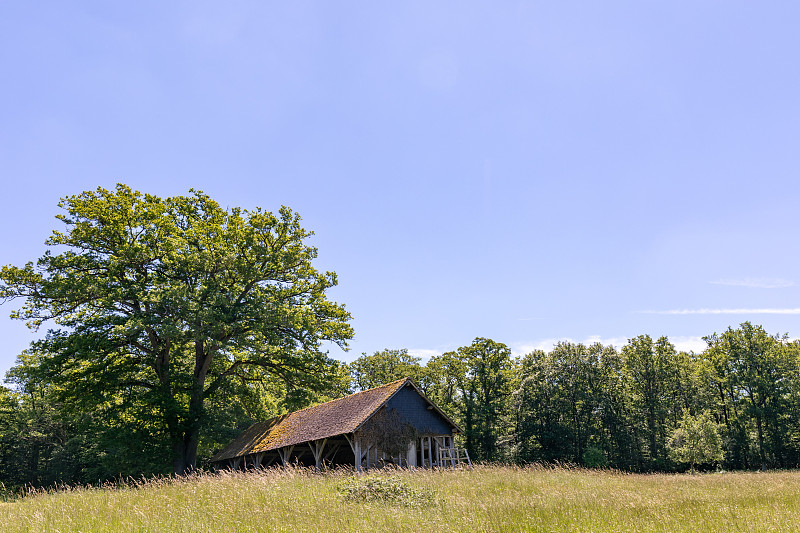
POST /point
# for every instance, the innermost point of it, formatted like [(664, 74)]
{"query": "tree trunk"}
[(724, 408), (185, 453), (185, 429), (761, 454), (651, 422), (185, 447)]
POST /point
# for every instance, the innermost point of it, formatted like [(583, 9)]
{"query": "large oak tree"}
[(168, 300)]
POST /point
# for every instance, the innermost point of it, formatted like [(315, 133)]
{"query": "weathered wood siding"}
[(414, 409)]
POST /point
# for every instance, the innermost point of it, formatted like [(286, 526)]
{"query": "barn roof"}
[(337, 417)]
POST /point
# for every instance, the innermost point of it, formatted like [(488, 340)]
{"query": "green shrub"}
[(389, 489), (594, 458)]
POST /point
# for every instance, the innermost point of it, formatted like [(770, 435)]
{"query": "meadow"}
[(488, 498)]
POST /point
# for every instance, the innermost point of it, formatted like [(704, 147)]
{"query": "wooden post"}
[(411, 454), (430, 452), (285, 453), (357, 452), (316, 449), (313, 446)]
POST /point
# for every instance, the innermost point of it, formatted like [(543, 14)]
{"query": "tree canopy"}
[(159, 304), (383, 367), (695, 440)]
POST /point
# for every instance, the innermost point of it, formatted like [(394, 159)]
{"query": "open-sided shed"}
[(395, 423)]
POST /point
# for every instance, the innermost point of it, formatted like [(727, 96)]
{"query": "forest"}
[(173, 323), (593, 406)]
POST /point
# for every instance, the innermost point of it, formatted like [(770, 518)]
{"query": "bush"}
[(696, 440), (594, 458), (389, 489)]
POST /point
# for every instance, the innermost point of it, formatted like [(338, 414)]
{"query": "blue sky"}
[(528, 171)]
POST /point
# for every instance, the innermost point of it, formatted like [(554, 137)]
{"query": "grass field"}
[(484, 499)]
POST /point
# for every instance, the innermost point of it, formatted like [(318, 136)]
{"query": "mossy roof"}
[(337, 417)]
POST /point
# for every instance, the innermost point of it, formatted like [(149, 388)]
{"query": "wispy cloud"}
[(756, 283), (742, 311)]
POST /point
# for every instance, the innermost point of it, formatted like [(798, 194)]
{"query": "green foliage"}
[(695, 441), (754, 377), (385, 489), (652, 376), (557, 402), (444, 381), (578, 397), (475, 383), (489, 383), (369, 371), (163, 304), (594, 458)]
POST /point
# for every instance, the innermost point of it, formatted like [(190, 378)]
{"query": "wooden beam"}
[(411, 454), (332, 451), (316, 448), (357, 452), (285, 453), (430, 451), (351, 442)]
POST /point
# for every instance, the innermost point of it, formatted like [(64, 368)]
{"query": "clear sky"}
[(523, 171)]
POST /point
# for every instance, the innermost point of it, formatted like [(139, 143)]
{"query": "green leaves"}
[(385, 489), (478, 380), (383, 367), (695, 440), (176, 295), (756, 376)]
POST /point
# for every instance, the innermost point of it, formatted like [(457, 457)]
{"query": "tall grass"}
[(485, 499)]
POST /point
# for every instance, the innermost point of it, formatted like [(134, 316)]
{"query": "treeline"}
[(629, 409), (591, 405)]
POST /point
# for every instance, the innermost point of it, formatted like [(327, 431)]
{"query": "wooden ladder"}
[(454, 457)]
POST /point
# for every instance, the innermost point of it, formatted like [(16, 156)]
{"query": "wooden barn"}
[(392, 424)]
